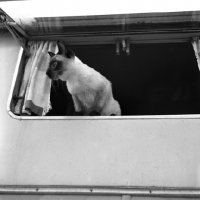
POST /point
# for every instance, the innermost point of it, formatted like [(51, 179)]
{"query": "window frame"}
[(14, 89), (133, 37)]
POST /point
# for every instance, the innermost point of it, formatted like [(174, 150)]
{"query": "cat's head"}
[(60, 62)]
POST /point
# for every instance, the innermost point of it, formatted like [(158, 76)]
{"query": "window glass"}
[(66, 17)]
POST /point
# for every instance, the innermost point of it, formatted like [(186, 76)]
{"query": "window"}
[(159, 77)]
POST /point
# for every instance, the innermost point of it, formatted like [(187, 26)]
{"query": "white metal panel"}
[(129, 152), (123, 152)]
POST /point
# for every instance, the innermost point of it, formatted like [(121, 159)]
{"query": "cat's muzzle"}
[(48, 73), (51, 75)]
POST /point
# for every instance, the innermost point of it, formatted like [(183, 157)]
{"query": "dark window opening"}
[(156, 79)]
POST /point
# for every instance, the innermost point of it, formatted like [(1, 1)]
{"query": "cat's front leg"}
[(77, 106)]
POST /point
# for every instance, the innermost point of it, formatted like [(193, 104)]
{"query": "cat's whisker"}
[(53, 86), (59, 77)]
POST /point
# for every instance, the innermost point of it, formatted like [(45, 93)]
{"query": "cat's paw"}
[(94, 113)]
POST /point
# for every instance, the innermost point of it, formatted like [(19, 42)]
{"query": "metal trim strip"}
[(102, 190)]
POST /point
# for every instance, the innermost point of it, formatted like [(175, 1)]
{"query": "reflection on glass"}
[(69, 17)]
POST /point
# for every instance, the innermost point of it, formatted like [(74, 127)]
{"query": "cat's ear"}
[(51, 54), (69, 53), (65, 51), (61, 48)]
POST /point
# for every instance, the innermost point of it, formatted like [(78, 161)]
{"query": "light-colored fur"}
[(89, 89)]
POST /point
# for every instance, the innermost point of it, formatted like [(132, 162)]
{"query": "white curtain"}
[(35, 87), (196, 47)]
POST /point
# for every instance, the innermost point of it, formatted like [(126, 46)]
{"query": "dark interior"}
[(156, 79)]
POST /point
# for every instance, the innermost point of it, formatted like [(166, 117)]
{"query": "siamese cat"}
[(91, 92)]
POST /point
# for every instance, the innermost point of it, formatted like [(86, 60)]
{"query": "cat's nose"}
[(48, 73)]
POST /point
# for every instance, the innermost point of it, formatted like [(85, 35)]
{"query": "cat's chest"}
[(74, 87)]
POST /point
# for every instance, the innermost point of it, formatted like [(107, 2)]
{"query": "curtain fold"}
[(35, 87), (196, 47)]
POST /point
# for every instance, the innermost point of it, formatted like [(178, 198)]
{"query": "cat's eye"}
[(55, 64)]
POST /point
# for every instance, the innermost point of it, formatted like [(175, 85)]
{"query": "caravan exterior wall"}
[(145, 152)]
